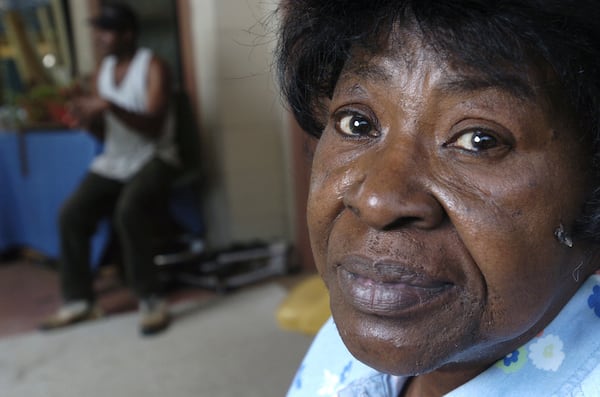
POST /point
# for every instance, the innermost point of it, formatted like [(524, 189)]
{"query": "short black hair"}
[(118, 17), (316, 39)]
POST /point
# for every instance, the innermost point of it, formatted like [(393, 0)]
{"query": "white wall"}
[(82, 36), (243, 115)]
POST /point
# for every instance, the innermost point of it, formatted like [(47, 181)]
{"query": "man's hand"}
[(84, 110)]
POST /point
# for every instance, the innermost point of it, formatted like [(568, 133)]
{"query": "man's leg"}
[(140, 209), (94, 199)]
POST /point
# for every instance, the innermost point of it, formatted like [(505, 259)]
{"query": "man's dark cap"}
[(118, 17)]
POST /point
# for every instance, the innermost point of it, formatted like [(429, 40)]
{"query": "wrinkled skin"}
[(433, 205)]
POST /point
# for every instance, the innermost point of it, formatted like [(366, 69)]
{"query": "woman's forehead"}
[(395, 65), (405, 52)]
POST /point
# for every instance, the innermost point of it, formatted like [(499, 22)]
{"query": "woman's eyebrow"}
[(355, 90), (369, 72), (509, 83), (365, 72)]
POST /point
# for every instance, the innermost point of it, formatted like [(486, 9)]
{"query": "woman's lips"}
[(388, 289)]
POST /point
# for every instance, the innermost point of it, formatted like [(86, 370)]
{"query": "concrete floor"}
[(218, 346)]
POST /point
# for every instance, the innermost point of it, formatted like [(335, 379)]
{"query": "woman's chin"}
[(403, 345)]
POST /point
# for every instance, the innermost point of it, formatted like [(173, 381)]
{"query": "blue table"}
[(38, 171)]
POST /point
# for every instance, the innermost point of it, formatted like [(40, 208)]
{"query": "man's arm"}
[(150, 124), (88, 110)]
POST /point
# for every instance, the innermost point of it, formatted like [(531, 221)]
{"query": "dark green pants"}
[(135, 207)]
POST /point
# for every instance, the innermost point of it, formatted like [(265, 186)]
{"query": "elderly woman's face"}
[(434, 201)]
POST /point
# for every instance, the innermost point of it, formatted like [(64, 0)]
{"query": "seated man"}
[(130, 180)]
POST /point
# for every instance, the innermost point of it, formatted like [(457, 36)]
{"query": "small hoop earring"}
[(562, 236), (575, 273)]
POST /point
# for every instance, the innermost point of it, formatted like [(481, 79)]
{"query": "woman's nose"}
[(391, 192)]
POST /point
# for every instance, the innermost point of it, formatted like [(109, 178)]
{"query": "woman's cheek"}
[(325, 203)]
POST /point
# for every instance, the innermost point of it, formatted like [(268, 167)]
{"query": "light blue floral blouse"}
[(564, 360)]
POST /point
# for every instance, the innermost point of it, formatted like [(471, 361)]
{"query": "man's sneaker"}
[(71, 313), (154, 315)]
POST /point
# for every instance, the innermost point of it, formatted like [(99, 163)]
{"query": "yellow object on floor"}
[(306, 308)]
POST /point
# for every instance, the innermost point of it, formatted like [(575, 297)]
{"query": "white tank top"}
[(125, 150)]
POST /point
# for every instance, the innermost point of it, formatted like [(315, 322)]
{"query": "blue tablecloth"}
[(36, 175)]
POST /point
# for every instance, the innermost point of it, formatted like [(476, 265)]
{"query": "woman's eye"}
[(476, 141), (352, 124)]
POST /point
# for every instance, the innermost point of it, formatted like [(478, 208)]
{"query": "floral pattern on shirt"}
[(331, 384), (546, 353), (513, 361), (594, 300), (298, 378)]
